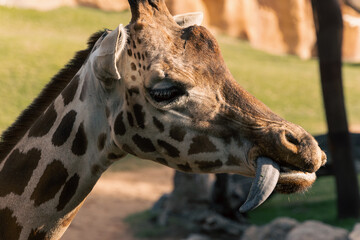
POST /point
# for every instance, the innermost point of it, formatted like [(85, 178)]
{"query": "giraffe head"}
[(171, 99)]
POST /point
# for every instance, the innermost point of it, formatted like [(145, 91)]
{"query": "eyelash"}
[(166, 95)]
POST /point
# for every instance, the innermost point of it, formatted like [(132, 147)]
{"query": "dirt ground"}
[(114, 197)]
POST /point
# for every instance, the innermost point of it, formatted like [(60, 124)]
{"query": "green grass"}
[(288, 85), (35, 45)]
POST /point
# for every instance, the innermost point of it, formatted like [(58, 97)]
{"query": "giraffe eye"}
[(167, 94)]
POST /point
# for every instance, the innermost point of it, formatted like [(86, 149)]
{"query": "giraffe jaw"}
[(269, 177)]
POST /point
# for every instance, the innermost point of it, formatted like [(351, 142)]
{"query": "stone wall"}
[(279, 27)]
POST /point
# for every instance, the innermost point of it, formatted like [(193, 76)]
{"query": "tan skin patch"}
[(68, 219)]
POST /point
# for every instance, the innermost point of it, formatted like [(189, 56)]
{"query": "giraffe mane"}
[(12, 135)]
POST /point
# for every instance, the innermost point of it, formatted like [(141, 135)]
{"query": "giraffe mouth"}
[(269, 177)]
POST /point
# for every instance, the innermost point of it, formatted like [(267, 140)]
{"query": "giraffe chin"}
[(294, 181)]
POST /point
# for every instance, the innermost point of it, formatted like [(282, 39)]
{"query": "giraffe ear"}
[(108, 54), (189, 19)]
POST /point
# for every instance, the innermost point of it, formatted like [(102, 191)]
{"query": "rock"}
[(185, 6), (197, 237), (278, 27), (351, 40), (191, 191), (355, 234), (215, 224), (315, 230), (229, 193), (276, 230)]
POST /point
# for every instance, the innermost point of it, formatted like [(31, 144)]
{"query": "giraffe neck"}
[(47, 176)]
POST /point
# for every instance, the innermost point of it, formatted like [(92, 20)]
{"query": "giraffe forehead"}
[(191, 56)]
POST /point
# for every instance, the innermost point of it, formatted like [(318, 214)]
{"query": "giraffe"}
[(158, 89)]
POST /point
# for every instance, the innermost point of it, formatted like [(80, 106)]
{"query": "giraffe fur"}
[(157, 88)]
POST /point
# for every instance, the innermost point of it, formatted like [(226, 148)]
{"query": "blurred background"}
[(270, 48)]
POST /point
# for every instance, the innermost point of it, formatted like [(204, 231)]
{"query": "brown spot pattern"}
[(119, 127), (170, 149), (208, 165), (128, 149), (9, 228), (96, 170), (132, 91), (101, 141), (144, 144), (233, 161), (37, 234), (50, 183), (79, 145), (17, 171), (184, 167), (162, 161), (177, 133), (158, 124), (139, 115), (69, 93), (129, 52), (68, 191), (133, 66), (113, 156), (130, 119), (133, 78), (201, 144), (64, 129), (43, 125)]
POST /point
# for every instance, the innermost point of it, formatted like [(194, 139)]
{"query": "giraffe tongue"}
[(266, 178)]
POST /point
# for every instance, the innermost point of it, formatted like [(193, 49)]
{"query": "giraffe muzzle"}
[(270, 176)]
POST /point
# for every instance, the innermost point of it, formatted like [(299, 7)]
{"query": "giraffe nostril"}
[(290, 138), (288, 141)]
